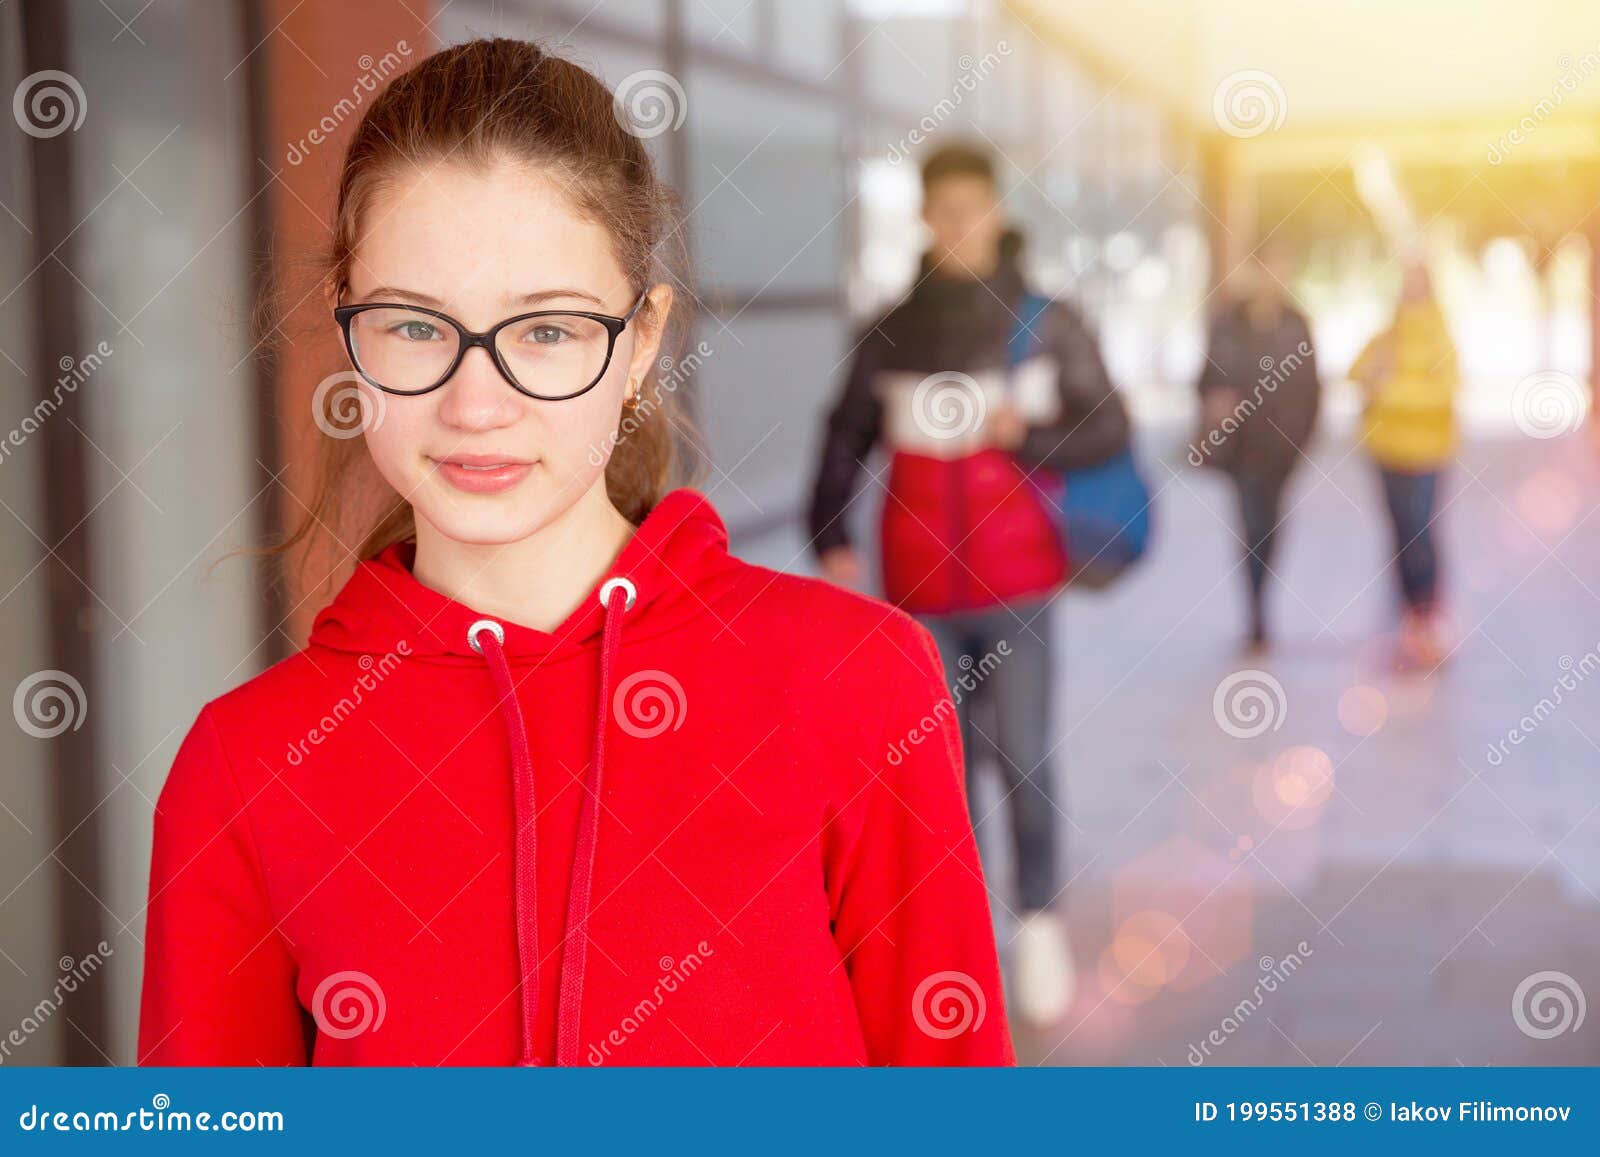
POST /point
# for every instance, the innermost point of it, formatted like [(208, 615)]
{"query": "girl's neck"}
[(537, 581)]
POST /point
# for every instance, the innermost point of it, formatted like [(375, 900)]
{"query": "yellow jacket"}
[(1409, 371)]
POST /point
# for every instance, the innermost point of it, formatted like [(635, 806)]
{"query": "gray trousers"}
[(1001, 678)]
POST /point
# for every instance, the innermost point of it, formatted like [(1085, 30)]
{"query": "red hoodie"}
[(386, 849)]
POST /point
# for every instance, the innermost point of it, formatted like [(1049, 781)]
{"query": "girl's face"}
[(479, 462)]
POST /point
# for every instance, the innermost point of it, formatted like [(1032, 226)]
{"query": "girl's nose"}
[(476, 397)]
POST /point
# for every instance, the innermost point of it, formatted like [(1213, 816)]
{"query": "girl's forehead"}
[(478, 236)]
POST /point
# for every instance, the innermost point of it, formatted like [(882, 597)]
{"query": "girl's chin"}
[(484, 531)]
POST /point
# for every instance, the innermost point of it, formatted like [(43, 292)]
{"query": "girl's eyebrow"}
[(394, 293), (546, 294)]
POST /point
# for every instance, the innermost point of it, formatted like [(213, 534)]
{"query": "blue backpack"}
[(1101, 512)]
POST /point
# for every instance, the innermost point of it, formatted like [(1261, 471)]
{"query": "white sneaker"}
[(1042, 968)]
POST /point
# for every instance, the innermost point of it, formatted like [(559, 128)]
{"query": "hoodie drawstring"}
[(487, 637)]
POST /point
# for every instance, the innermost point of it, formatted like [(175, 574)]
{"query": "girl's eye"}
[(546, 334), (416, 330)]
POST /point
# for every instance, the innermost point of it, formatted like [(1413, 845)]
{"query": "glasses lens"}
[(401, 349), (554, 355)]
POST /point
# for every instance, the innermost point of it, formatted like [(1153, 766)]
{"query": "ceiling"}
[(1487, 108), (1345, 62)]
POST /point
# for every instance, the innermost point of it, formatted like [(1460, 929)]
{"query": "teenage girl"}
[(556, 779)]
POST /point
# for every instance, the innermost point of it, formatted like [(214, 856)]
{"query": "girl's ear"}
[(652, 328)]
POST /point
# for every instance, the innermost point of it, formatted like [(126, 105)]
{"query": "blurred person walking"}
[(1259, 397), (1409, 376), (968, 545)]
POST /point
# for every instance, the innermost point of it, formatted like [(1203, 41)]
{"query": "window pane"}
[(808, 37), (727, 25), (765, 187), (763, 392)]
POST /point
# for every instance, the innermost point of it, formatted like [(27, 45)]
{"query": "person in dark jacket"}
[(967, 544), (1259, 400)]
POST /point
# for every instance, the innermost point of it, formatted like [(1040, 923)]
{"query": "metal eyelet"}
[(480, 626), (612, 584)]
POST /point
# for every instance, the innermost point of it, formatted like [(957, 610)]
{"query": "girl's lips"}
[(477, 474)]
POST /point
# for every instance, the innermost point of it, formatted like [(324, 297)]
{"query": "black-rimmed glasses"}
[(549, 354)]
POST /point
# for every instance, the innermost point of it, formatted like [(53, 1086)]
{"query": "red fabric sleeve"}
[(910, 908), (218, 976)]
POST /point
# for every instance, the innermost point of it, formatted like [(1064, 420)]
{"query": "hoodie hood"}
[(958, 323), (679, 549)]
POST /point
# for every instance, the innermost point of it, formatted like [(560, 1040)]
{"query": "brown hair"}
[(956, 160), (475, 104)]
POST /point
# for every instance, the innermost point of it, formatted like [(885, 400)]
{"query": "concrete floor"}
[(1426, 877)]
